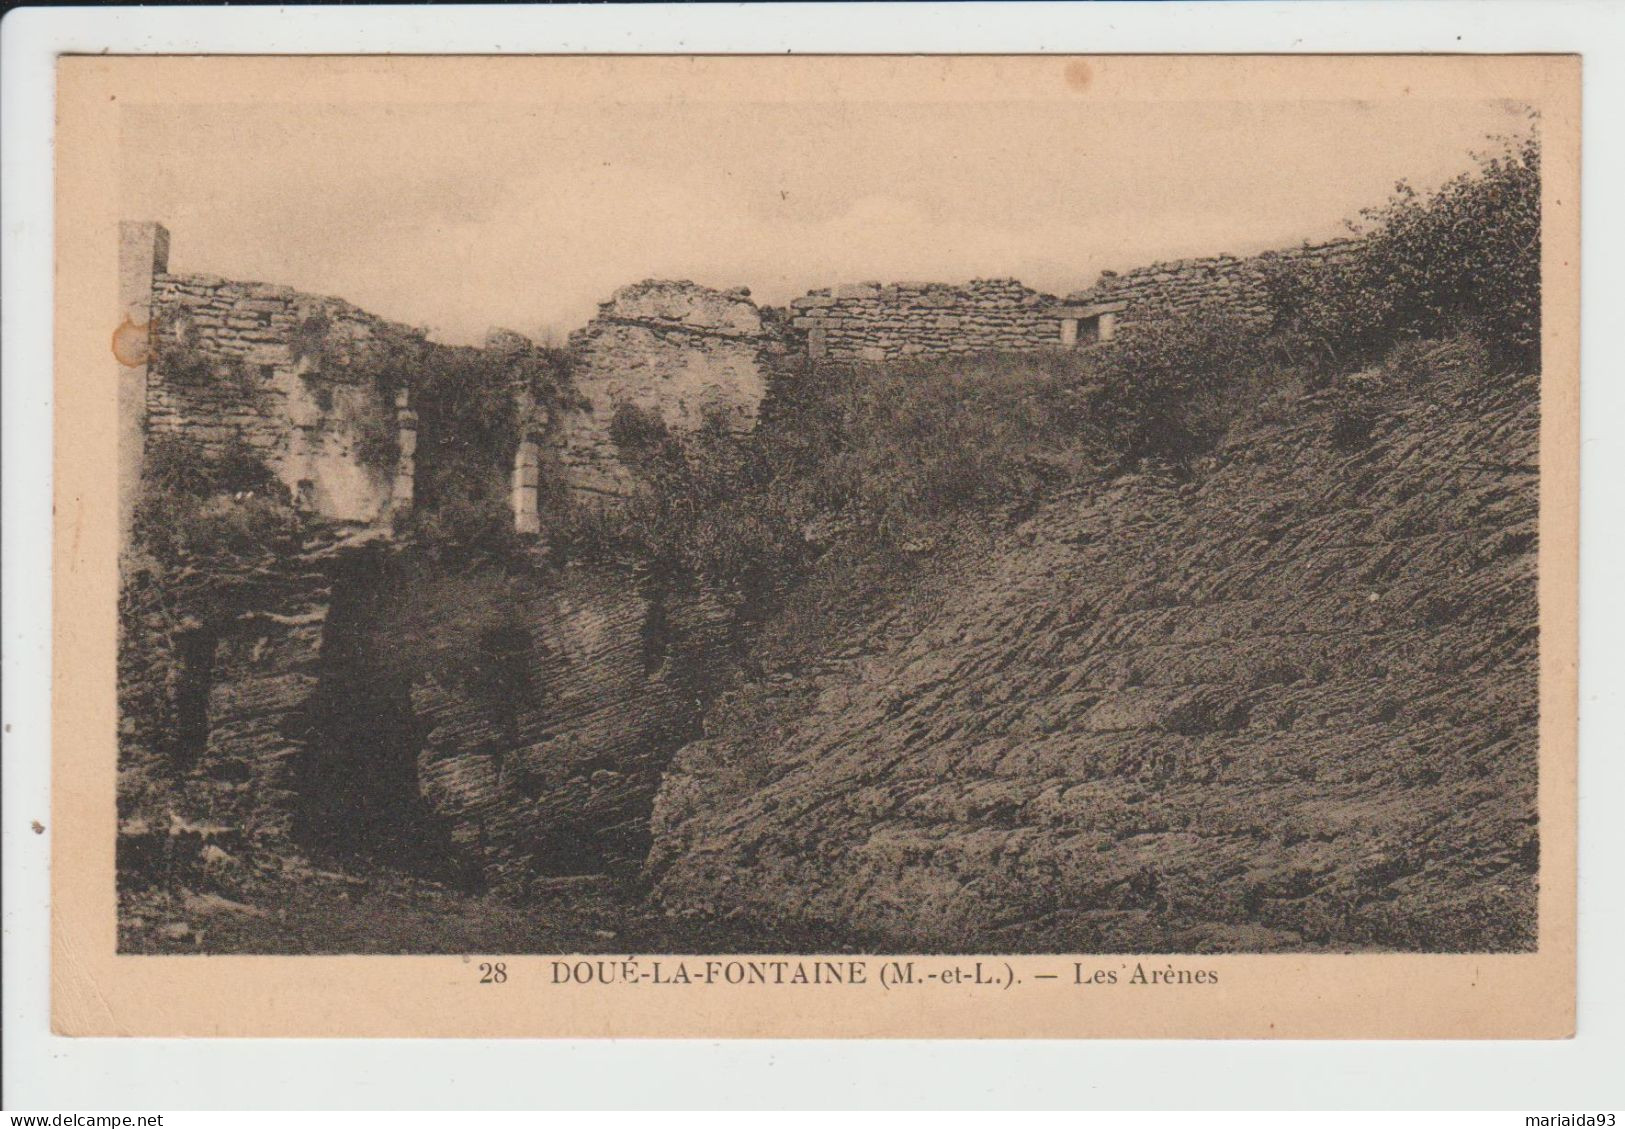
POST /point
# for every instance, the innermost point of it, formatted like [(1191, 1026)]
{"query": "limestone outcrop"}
[(1290, 705), (543, 754), (350, 702)]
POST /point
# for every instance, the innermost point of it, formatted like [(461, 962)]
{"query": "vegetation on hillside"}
[(471, 406), (899, 452), (889, 453), (208, 509), (1462, 260)]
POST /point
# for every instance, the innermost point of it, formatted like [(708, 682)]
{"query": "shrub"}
[(1353, 419), (636, 431), (1168, 388), (309, 340), (463, 529), (176, 527), (1277, 402), (1465, 259), (240, 468), (175, 463), (889, 453), (178, 353), (1468, 257), (1414, 363), (377, 436), (1326, 316), (468, 405)]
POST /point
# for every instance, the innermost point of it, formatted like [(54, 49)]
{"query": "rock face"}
[(673, 348), (520, 720), (213, 700), (477, 727), (1292, 705)]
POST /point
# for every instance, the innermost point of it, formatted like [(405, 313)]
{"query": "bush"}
[(377, 436), (1168, 388), (469, 420), (1412, 364), (1468, 257), (1465, 259), (213, 529), (200, 507), (888, 453), (463, 529), (1326, 316), (636, 431), (180, 355), (309, 340), (239, 468), (178, 464), (175, 464)]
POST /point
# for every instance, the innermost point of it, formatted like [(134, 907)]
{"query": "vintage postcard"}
[(833, 546)]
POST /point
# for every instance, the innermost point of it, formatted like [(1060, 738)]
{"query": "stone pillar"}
[(526, 482), (406, 434), (1069, 332), (1107, 327), (143, 251)]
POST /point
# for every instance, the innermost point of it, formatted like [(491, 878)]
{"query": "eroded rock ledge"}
[(1291, 706)]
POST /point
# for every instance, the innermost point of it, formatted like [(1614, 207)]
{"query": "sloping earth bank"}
[(1288, 705)]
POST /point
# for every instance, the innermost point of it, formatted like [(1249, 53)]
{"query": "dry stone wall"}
[(297, 376), (292, 375), (1218, 282), (872, 322), (674, 348)]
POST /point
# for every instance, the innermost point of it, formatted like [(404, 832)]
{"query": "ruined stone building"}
[(305, 381)]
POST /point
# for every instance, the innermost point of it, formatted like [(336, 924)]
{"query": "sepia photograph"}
[(744, 522)]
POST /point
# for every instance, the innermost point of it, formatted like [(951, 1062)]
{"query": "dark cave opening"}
[(194, 680), (357, 774)]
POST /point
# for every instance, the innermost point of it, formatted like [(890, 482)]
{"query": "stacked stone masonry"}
[(675, 349), (292, 375), (297, 376), (871, 322), (1224, 282)]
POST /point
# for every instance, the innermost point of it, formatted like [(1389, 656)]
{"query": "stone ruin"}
[(871, 322), (295, 376), (556, 777), (681, 351)]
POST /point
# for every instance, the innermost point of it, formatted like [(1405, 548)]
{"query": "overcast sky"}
[(460, 217)]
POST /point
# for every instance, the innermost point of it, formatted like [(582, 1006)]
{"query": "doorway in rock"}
[(357, 773), (194, 680)]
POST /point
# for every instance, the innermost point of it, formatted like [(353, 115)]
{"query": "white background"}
[(43, 1072)]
